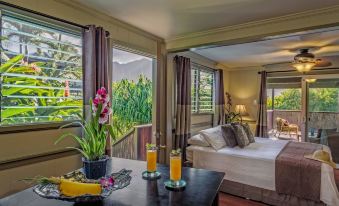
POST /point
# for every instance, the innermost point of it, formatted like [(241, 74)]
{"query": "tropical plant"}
[(131, 104), (95, 131), (27, 90), (320, 100)]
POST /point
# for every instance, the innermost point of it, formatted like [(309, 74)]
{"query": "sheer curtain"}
[(182, 66), (261, 127), (97, 66)]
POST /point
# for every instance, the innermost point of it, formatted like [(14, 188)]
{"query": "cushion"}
[(249, 133), (214, 137), (228, 135), (240, 135), (198, 140)]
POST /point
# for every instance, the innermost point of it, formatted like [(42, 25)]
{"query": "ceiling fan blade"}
[(321, 39), (327, 50), (323, 63)]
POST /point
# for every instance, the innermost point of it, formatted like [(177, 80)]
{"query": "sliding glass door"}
[(305, 108), (284, 104), (321, 111)]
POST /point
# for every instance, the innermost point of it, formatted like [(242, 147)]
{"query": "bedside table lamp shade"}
[(240, 109)]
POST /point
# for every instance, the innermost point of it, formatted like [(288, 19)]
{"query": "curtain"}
[(261, 127), (97, 67), (183, 103), (219, 97)]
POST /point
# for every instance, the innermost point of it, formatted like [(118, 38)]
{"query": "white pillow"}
[(198, 140), (214, 137)]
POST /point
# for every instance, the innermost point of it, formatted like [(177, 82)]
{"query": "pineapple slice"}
[(72, 189)]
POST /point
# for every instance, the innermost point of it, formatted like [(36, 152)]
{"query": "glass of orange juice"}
[(151, 158), (175, 168), (175, 171)]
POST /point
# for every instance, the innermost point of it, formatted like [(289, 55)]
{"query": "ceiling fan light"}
[(303, 66), (310, 80)]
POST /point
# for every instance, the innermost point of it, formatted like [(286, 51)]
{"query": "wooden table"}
[(202, 189)]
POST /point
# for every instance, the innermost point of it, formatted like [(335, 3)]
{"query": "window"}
[(132, 90), (202, 89), (41, 72)]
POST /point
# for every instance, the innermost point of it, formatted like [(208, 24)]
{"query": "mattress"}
[(254, 165)]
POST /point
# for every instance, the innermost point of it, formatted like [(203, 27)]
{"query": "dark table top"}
[(201, 189)]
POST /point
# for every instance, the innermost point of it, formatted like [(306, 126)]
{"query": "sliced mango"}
[(72, 189)]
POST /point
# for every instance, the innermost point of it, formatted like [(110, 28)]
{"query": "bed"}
[(254, 167)]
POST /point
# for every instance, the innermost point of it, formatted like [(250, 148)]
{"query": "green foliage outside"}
[(131, 104), (320, 100), (36, 86), (21, 103)]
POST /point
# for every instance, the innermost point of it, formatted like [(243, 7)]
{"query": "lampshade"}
[(240, 109), (303, 66)]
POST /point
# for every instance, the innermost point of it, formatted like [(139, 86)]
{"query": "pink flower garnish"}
[(106, 182)]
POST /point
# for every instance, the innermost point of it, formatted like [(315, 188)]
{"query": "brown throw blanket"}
[(295, 175)]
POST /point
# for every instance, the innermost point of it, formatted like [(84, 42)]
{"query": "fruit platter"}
[(74, 186)]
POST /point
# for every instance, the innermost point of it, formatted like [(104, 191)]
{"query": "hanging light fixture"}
[(310, 80), (304, 61), (303, 66)]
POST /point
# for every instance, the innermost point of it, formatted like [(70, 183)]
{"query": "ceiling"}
[(323, 43), (171, 18)]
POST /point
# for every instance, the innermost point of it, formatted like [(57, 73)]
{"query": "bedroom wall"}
[(20, 153), (244, 88)]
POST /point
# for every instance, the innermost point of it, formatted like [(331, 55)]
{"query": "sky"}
[(123, 57)]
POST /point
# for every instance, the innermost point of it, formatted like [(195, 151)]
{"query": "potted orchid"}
[(93, 141)]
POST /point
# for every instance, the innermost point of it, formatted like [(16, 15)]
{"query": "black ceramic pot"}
[(95, 169)]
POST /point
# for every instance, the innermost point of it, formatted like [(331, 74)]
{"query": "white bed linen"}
[(255, 165)]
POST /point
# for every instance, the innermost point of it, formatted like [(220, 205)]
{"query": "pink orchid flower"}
[(102, 99), (107, 182)]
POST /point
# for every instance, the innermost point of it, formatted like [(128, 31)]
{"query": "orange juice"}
[(175, 168), (151, 160)]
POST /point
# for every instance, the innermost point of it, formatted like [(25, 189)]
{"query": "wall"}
[(20, 152), (244, 89)]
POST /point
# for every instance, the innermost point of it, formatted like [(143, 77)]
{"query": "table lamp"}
[(241, 110)]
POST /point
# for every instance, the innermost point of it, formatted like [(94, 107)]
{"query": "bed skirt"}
[(264, 195)]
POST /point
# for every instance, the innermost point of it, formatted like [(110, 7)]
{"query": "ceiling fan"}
[(305, 61)]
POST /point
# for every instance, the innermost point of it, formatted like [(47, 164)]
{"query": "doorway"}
[(321, 111)]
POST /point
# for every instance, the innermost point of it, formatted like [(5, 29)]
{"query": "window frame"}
[(45, 22), (199, 68)]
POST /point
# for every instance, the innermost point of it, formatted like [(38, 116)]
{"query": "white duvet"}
[(255, 165)]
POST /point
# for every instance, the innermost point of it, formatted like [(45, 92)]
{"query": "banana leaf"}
[(11, 63), (6, 113)]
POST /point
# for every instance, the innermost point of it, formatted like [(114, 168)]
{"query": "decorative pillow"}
[(214, 137), (240, 135), (249, 133), (228, 135), (198, 140)]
